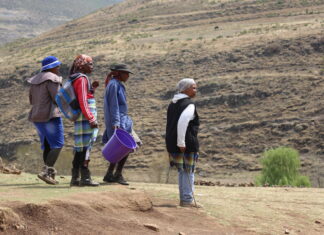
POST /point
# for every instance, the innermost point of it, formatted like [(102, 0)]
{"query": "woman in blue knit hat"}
[(46, 116)]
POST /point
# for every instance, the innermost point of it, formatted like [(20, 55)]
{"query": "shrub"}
[(281, 167)]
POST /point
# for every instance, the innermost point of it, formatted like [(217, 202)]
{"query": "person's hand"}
[(182, 149), (95, 84), (94, 124)]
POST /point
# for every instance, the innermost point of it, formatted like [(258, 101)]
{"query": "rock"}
[(317, 222), (287, 231), (300, 127), (152, 227), (181, 233), (19, 226)]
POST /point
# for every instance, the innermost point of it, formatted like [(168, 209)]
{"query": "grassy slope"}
[(258, 64), (260, 210)]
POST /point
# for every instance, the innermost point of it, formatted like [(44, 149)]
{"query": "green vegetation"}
[(281, 167)]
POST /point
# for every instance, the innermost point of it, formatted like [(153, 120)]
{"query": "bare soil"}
[(130, 212), (29, 206)]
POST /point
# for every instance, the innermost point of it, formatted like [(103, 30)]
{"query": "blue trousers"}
[(186, 185)]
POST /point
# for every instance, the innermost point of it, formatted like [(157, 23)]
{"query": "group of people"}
[(181, 128)]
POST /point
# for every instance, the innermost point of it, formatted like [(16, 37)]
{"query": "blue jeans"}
[(186, 188)]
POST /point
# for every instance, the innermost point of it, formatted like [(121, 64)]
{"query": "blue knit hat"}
[(50, 62)]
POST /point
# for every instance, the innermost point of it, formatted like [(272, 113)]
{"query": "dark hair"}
[(72, 69)]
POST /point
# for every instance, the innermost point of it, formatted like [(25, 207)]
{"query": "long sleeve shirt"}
[(186, 116), (116, 109), (82, 93)]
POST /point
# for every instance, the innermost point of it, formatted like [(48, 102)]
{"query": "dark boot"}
[(75, 179), (86, 178), (120, 179)]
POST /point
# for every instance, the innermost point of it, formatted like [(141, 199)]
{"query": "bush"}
[(281, 167)]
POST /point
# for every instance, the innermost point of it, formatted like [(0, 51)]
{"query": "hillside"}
[(29, 18), (258, 63)]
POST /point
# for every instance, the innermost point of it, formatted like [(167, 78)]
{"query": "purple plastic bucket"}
[(118, 146)]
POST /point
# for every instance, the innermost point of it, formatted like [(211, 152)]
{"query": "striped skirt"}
[(84, 135), (184, 161)]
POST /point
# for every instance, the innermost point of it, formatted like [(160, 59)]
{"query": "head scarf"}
[(184, 84), (81, 60)]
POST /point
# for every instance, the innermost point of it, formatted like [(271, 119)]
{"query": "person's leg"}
[(118, 174), (76, 164), (109, 177), (46, 150), (85, 172), (52, 156), (120, 165), (50, 161), (180, 183), (188, 181)]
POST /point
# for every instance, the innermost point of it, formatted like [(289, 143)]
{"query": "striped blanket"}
[(84, 135), (184, 161)]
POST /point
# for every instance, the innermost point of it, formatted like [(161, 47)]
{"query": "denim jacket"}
[(116, 109)]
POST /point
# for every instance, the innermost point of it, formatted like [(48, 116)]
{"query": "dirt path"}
[(127, 212), (29, 206)]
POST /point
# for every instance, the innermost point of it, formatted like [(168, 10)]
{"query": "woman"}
[(46, 116), (86, 126), (116, 116), (181, 138)]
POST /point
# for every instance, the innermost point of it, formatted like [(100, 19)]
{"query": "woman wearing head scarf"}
[(46, 116), (116, 116), (86, 126), (181, 138)]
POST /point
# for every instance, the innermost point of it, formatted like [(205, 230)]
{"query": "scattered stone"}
[(287, 231), (300, 127), (19, 226), (317, 222), (152, 227), (181, 233), (3, 227)]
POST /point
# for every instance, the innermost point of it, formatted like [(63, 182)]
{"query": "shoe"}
[(190, 204), (109, 178), (86, 178), (120, 180), (75, 179), (47, 175), (88, 182), (52, 172)]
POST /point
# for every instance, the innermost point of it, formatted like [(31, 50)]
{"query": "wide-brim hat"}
[(50, 62), (120, 67)]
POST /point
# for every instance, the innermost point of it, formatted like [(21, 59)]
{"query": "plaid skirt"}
[(184, 161), (84, 135)]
